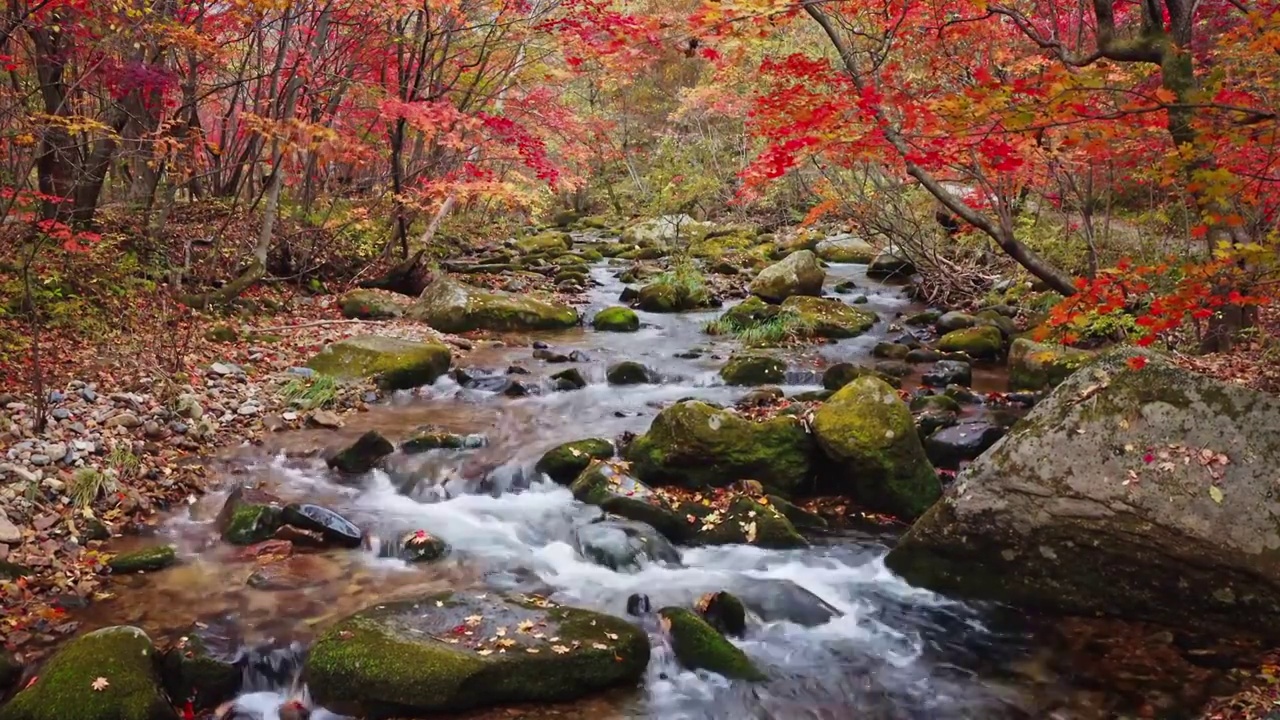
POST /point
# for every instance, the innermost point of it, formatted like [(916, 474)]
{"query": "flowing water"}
[(897, 652)]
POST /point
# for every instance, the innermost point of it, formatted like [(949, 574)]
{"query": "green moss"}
[(753, 368), (428, 440), (543, 242), (681, 288), (698, 646), (841, 374), (564, 463), (984, 342), (64, 689), (243, 522), (799, 517), (148, 560), (628, 372), (926, 403), (616, 319), (749, 522), (830, 318), (1037, 366), (189, 671), (696, 446), (609, 486), (890, 351), (871, 438), (393, 363), (454, 307), (222, 333)]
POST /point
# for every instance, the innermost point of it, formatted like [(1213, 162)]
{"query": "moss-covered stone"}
[(798, 274), (248, 517), (362, 455), (395, 659), (421, 546), (724, 612), (802, 519), (754, 368), (954, 320), (428, 439), (829, 318), (924, 317), (192, 671), (369, 305), (841, 374), (451, 306), (609, 485), (845, 249), (628, 372), (698, 646), (393, 363), (616, 319), (1039, 366), (890, 265), (65, 687), (664, 296), (146, 560), (925, 403), (984, 342), (870, 437), (222, 333), (564, 463), (890, 351), (746, 521), (551, 240), (696, 446), (1004, 324)]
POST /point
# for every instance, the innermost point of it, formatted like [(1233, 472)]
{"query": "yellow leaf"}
[(100, 684), (1215, 492)]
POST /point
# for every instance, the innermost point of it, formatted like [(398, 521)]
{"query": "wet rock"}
[(724, 612), (890, 265), (841, 374), (454, 307), (923, 355), (747, 521), (517, 370), (775, 600), (950, 446), (146, 560), (670, 297), (948, 372), (845, 287), (1048, 517), (930, 421), (892, 368), (517, 389), (754, 368), (295, 572), (369, 305), (579, 356), (869, 436), (926, 403), (638, 605), (845, 248), (954, 320), (890, 351), (924, 317), (616, 319), (802, 519), (760, 396), (10, 673), (962, 395), (393, 363), (624, 546), (984, 342), (609, 486), (695, 445), (550, 356), (628, 372), (797, 274), (394, 657), (200, 666), (421, 546), (362, 455), (628, 294), (1040, 366), (248, 517), (299, 537), (825, 317), (1005, 325), (324, 419), (335, 529), (564, 463), (429, 438), (65, 689), (698, 646), (567, 380)]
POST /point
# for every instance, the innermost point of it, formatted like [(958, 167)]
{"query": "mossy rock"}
[(926, 403), (609, 485), (421, 546), (222, 333), (798, 274), (724, 612), (924, 317), (890, 351), (1004, 324), (369, 305), (954, 320), (146, 560), (698, 646), (802, 519), (393, 363), (661, 296), (695, 445), (616, 319), (876, 456), (564, 463), (191, 670), (1039, 366), (845, 248), (544, 242), (890, 265), (748, 369), (829, 318), (453, 307), (248, 517), (628, 372), (396, 659), (749, 312), (362, 455), (428, 439), (841, 374), (124, 656), (749, 522), (983, 342)]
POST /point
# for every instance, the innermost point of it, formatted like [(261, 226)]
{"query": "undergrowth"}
[(780, 328), (310, 393)]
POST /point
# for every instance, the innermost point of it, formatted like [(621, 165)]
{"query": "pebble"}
[(325, 419), (56, 396), (303, 371), (124, 420), (60, 414), (88, 394), (248, 409), (55, 449), (219, 368), (9, 533), (40, 460), (178, 427)]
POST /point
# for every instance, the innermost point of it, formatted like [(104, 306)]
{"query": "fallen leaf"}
[(559, 649), (532, 651), (100, 684), (484, 652), (1215, 492), (599, 646), (473, 620)]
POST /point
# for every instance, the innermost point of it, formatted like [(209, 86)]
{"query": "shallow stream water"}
[(897, 653)]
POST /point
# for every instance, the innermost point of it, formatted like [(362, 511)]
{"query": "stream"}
[(896, 653)]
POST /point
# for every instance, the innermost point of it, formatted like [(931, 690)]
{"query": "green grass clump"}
[(87, 485), (783, 327), (311, 393)]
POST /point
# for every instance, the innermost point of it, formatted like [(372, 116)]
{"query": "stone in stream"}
[(412, 658), (776, 600), (146, 560), (948, 372), (362, 455), (983, 342), (70, 683), (248, 517), (616, 319), (698, 646), (845, 248), (332, 527), (609, 486), (369, 305), (550, 356), (623, 545), (567, 380), (201, 665), (954, 320), (564, 463), (629, 372), (841, 374), (695, 445), (949, 446), (875, 454), (429, 438), (750, 368), (923, 355), (1142, 494), (802, 519), (453, 307), (798, 274), (420, 546), (393, 363), (926, 403), (890, 351), (671, 297), (724, 612), (1038, 366), (825, 317), (890, 265), (748, 521)]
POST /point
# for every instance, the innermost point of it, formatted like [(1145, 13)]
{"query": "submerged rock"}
[(362, 455), (798, 274), (754, 368), (421, 546), (1038, 366), (610, 486), (695, 445), (66, 689), (396, 659), (624, 546), (628, 372), (201, 666), (948, 372), (1145, 494), (698, 646), (451, 306), (876, 456), (393, 363), (146, 560), (776, 600), (564, 463)]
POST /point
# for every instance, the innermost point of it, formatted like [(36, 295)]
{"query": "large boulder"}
[(749, 521), (983, 342), (610, 486), (698, 646), (695, 445), (616, 319), (876, 456), (753, 368), (450, 306), (1038, 366), (370, 305), (108, 674), (845, 248), (798, 274), (825, 317), (457, 650), (1140, 493), (564, 463), (394, 363), (623, 545)]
